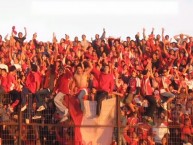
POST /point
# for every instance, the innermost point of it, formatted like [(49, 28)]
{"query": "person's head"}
[(34, 67), (20, 34), (97, 36), (79, 69), (165, 72), (61, 70), (156, 74), (190, 92), (3, 72), (12, 68), (134, 73), (145, 73), (178, 107), (154, 56), (52, 68), (181, 36), (167, 37), (183, 90), (171, 51), (186, 119), (35, 35), (171, 88), (191, 39), (128, 39), (2, 60), (106, 68), (76, 39), (67, 37), (158, 37), (83, 37)]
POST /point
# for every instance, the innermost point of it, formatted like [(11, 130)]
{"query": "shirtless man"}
[(80, 81)]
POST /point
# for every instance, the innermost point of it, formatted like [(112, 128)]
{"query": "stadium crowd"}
[(152, 75)]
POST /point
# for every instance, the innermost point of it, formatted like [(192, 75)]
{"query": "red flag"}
[(76, 114)]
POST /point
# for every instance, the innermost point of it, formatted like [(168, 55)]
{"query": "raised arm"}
[(25, 30), (144, 36), (13, 32), (176, 37), (5, 38), (152, 31), (90, 67), (163, 37), (54, 39), (103, 36)]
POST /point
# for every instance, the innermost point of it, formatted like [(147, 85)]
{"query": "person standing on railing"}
[(13, 85), (62, 88), (164, 89), (32, 85), (20, 38), (105, 85), (80, 80), (134, 85), (47, 89), (147, 93)]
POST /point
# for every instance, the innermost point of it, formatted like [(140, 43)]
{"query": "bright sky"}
[(120, 18)]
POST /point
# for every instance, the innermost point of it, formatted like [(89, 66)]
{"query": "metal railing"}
[(17, 130)]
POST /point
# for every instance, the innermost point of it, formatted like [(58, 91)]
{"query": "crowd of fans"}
[(152, 75)]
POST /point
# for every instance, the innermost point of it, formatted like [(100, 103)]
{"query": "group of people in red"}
[(152, 75)]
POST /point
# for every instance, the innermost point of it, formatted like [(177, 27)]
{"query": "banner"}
[(94, 135)]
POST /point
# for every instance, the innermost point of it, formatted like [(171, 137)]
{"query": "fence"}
[(17, 128)]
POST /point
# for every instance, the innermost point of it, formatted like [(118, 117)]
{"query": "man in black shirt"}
[(20, 37)]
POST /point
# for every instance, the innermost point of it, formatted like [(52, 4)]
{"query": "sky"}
[(120, 18)]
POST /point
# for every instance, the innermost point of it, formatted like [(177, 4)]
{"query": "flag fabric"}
[(92, 133)]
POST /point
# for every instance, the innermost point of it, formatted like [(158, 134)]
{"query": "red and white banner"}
[(95, 135)]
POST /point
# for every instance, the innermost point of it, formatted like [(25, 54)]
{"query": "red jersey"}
[(63, 82), (4, 82), (11, 82), (146, 86), (144, 130), (132, 121), (106, 82), (33, 81), (133, 84)]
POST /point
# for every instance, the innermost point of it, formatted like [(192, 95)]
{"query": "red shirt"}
[(11, 82), (63, 82), (186, 130), (106, 82), (47, 83), (132, 121), (32, 81), (144, 130), (131, 141), (146, 86), (4, 82), (134, 82)]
